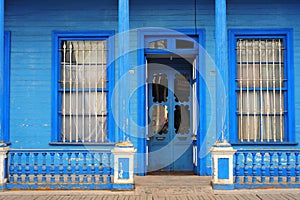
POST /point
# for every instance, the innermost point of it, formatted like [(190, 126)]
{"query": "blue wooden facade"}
[(31, 31)]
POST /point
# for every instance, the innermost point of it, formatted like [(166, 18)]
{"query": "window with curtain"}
[(262, 90), (83, 89)]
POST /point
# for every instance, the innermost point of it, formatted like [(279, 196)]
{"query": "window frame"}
[(289, 121), (171, 44), (57, 37)]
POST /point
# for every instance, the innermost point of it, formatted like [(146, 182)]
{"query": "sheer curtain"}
[(83, 88)]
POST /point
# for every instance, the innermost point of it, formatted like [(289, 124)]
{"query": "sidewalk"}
[(158, 188)]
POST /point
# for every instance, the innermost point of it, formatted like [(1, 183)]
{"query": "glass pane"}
[(264, 102), (260, 63), (184, 44), (261, 115), (182, 87), (83, 64), (159, 120), (249, 127), (83, 128), (84, 103), (83, 52), (182, 119), (84, 76), (158, 44), (159, 88)]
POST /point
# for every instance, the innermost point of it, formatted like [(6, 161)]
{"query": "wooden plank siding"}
[(31, 24)]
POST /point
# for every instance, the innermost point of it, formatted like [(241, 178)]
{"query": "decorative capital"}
[(126, 143), (222, 143)]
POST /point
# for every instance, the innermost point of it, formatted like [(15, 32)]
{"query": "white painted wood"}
[(3, 156), (222, 150), (123, 152)]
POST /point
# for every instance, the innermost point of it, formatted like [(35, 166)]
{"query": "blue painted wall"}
[(31, 24)]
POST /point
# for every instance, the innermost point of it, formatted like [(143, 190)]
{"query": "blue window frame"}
[(261, 86), (83, 78)]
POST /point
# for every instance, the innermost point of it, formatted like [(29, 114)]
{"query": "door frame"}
[(142, 73)]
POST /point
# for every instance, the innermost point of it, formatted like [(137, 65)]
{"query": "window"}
[(181, 44), (261, 67), (82, 91)]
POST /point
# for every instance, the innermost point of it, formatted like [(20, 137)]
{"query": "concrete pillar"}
[(123, 63), (3, 167), (222, 165), (124, 165), (222, 70)]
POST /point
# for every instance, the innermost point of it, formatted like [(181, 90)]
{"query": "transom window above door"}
[(262, 84), (174, 44)]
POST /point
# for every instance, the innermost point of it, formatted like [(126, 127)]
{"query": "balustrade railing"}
[(267, 167), (59, 169)]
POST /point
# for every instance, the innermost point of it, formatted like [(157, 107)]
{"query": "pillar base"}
[(124, 163), (222, 162)]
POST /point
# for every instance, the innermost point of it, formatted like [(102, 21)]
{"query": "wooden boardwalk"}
[(159, 188)]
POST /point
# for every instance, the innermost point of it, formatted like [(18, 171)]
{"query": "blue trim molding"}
[(289, 122), (57, 37), (4, 87), (2, 140)]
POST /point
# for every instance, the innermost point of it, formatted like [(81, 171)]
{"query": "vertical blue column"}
[(123, 46), (2, 137), (221, 67)]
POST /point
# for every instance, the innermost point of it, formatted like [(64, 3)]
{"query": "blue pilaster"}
[(123, 46), (2, 136), (221, 67)]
